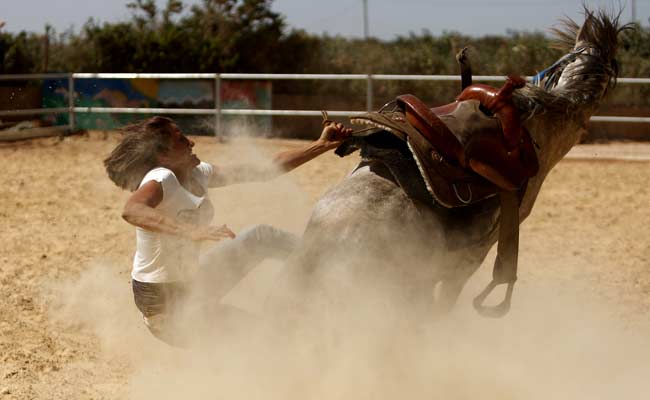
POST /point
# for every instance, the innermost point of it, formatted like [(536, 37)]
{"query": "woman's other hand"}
[(210, 232)]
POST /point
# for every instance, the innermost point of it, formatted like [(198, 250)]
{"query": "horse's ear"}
[(586, 27), (579, 34)]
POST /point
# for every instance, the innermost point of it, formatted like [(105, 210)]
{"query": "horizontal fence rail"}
[(218, 111), (34, 111), (210, 111)]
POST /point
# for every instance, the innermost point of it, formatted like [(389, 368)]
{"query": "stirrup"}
[(500, 309)]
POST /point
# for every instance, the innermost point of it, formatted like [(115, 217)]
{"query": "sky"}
[(386, 18)]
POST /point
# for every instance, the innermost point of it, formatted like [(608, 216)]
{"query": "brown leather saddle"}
[(467, 151), (472, 148)]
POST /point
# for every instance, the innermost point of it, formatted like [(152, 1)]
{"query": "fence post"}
[(369, 99), (71, 95), (217, 104)]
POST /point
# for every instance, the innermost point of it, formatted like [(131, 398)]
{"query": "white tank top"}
[(161, 257)]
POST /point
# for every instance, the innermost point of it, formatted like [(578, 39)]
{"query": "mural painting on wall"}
[(161, 93), (256, 95)]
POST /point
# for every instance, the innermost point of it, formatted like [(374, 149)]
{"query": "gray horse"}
[(367, 235)]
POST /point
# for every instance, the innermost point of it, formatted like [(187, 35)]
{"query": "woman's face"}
[(179, 156)]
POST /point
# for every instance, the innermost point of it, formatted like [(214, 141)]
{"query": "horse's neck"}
[(555, 135), (568, 105)]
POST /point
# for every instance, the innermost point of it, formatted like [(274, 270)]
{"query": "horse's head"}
[(590, 66), (563, 97), (584, 74)]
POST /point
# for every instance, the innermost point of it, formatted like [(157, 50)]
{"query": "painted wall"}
[(163, 93)]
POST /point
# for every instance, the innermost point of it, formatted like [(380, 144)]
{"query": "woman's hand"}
[(334, 133), (215, 233)]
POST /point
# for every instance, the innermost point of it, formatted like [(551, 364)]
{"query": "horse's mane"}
[(581, 78), (600, 30)]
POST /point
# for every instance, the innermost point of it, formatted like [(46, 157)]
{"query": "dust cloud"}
[(556, 342), (552, 345)]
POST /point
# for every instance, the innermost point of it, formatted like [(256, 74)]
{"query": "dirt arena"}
[(579, 327)]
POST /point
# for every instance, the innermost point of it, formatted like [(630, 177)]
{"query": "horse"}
[(371, 234)]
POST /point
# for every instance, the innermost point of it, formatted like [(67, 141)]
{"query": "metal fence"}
[(218, 110)]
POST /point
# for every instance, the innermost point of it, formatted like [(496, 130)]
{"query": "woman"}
[(172, 213)]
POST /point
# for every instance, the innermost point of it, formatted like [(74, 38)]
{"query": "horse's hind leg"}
[(451, 285)]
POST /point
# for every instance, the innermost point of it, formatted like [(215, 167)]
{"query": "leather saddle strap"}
[(505, 265)]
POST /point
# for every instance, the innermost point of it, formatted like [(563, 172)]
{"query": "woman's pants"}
[(225, 263), (222, 266)]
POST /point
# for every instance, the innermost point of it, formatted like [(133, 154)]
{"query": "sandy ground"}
[(69, 329)]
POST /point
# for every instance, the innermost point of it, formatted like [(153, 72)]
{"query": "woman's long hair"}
[(137, 153)]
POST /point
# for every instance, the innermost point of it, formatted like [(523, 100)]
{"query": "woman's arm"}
[(140, 210), (332, 136)]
